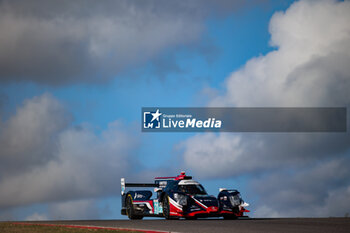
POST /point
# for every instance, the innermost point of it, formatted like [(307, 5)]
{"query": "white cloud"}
[(309, 68), (72, 210), (321, 190), (59, 43), (36, 217), (82, 209), (227, 153), (76, 163), (87, 41), (309, 65), (28, 138)]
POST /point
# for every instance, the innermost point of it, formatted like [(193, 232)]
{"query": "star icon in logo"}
[(156, 115)]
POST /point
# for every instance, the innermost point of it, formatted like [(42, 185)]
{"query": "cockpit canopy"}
[(191, 187), (181, 183)]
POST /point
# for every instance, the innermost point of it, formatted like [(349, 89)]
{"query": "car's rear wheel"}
[(166, 208), (130, 212)]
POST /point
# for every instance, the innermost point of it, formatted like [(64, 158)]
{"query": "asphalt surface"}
[(287, 225)]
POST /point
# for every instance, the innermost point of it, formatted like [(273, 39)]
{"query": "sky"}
[(74, 76)]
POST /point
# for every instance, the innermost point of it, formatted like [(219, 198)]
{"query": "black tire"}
[(130, 212), (166, 208), (230, 217)]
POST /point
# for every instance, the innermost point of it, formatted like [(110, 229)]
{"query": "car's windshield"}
[(192, 189)]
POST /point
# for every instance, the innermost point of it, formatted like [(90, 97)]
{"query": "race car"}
[(180, 197)]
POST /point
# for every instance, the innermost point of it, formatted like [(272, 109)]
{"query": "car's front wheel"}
[(130, 212), (166, 208)]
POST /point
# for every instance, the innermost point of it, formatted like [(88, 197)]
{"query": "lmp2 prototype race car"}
[(180, 197)]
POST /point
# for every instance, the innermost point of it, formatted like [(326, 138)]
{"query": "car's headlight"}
[(181, 199), (235, 200)]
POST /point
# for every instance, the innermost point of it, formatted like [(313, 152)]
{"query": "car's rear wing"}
[(124, 185), (159, 182)]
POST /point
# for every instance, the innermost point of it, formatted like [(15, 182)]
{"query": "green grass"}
[(8, 227)]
